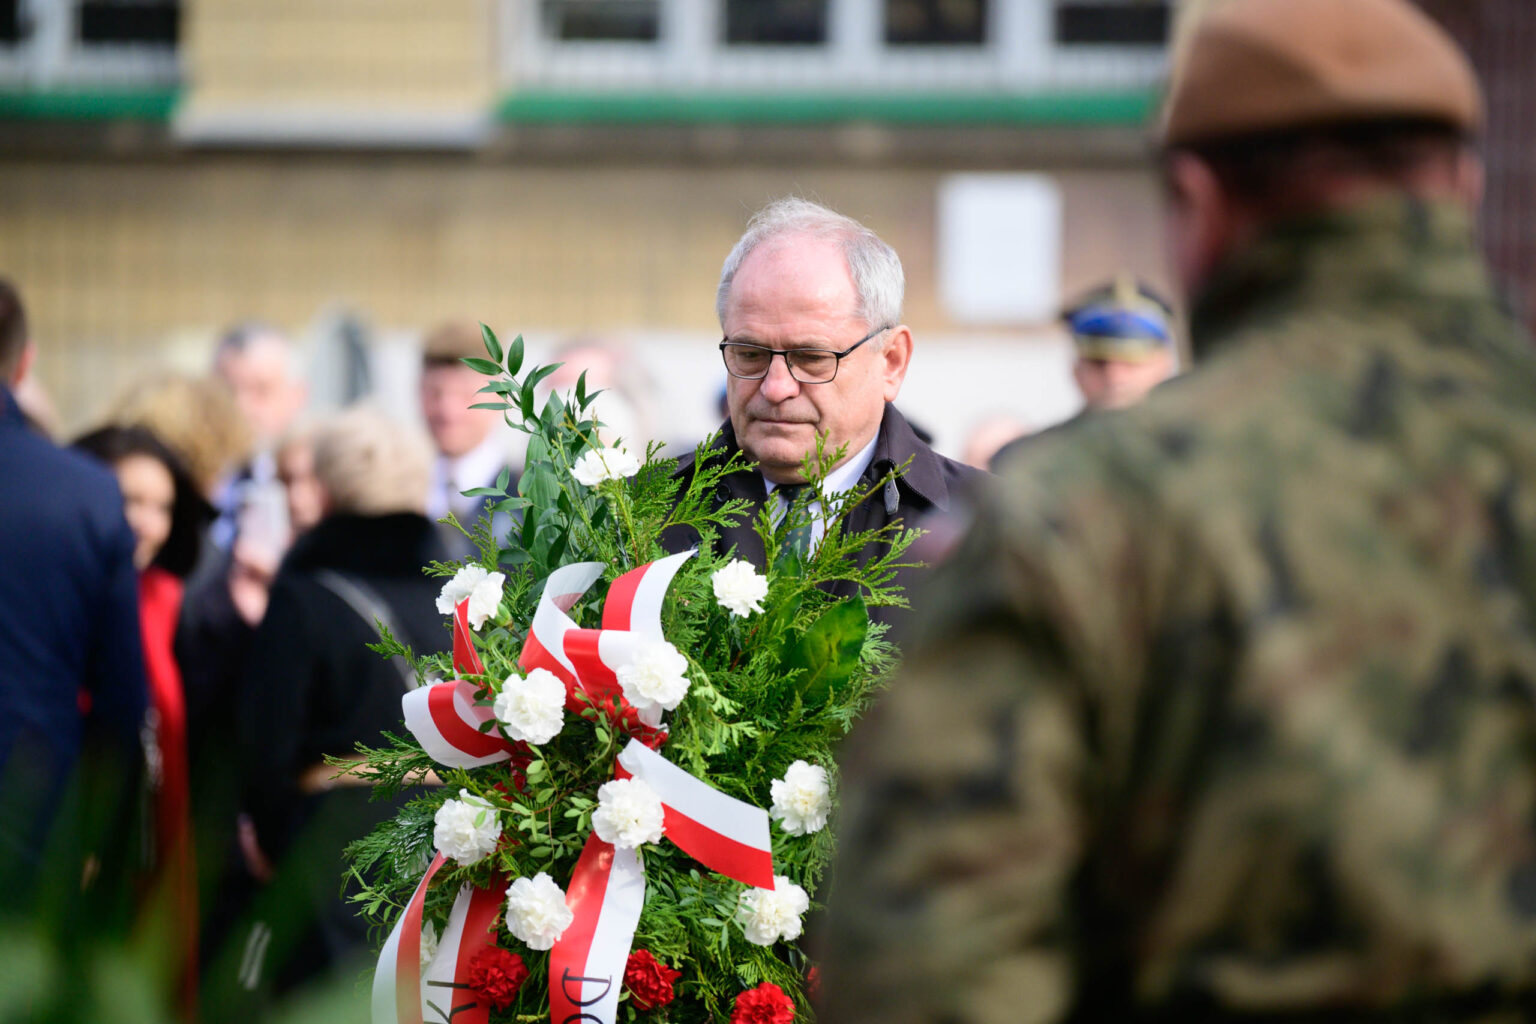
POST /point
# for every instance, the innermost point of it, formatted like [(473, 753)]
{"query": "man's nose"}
[(779, 385)]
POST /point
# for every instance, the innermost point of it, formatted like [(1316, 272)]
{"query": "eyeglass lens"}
[(809, 366)]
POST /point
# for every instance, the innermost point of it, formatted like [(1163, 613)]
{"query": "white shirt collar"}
[(477, 467), (844, 477)]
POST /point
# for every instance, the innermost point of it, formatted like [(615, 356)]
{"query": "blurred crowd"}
[(244, 503)]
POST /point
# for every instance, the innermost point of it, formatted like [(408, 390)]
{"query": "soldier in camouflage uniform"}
[(1228, 710)]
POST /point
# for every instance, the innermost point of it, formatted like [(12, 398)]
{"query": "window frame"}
[(689, 55)]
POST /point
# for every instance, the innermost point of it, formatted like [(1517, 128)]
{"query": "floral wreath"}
[(599, 845)]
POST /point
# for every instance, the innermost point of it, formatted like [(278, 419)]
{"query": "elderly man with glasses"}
[(810, 305)]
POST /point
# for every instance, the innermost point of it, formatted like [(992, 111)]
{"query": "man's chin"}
[(776, 453)]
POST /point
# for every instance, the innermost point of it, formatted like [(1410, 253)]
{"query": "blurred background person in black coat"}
[(313, 689)]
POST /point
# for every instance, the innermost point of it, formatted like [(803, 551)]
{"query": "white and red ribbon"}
[(405, 994), (397, 980), (586, 964), (722, 833), (607, 889), (586, 660), (471, 929), (445, 718)]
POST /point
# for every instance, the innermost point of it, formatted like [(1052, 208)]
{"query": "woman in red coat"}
[(166, 514)]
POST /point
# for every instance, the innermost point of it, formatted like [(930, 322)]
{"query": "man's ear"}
[(1471, 177), (895, 357), (23, 365), (1204, 223)]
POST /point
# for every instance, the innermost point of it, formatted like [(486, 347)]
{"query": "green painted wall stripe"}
[(89, 105), (1066, 108)]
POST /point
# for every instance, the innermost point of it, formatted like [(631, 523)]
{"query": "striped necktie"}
[(798, 540)]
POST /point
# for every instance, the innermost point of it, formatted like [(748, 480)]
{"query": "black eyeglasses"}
[(806, 365)]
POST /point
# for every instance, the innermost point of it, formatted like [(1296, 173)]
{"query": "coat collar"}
[(895, 443), (1394, 249), (398, 543)]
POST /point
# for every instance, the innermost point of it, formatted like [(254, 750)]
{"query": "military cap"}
[(1264, 66), (1123, 320)]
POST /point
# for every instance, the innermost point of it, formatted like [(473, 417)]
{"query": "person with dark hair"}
[(72, 690), (164, 508), (1227, 707), (167, 515)]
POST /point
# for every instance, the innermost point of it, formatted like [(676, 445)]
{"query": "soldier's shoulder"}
[(1170, 452)]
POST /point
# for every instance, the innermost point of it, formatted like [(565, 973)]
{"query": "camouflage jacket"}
[(1228, 706)]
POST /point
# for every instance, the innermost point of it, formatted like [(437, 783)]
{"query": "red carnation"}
[(649, 980), (766, 1004), (813, 983), (497, 975)]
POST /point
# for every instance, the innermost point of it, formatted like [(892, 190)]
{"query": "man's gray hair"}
[(878, 281), (241, 338)]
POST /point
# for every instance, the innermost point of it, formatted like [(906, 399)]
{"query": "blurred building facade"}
[(563, 167)]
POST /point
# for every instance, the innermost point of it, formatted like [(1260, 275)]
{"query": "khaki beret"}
[(1257, 66)]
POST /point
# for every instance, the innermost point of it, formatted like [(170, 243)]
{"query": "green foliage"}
[(827, 654), (765, 691)]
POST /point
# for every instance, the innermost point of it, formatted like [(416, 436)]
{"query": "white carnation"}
[(536, 911), (601, 464), (802, 799), (768, 915), (428, 944), (482, 587), (467, 828), (654, 679), (531, 710), (740, 588), (629, 813)]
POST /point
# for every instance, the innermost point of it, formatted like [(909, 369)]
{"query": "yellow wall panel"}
[(120, 262), (385, 53)]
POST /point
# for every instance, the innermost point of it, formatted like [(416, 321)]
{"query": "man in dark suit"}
[(810, 305), (72, 690)]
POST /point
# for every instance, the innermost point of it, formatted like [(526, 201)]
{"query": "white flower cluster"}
[(601, 464), (802, 799), (482, 587), (467, 828), (536, 911), (654, 680), (532, 709), (629, 814), (768, 915), (740, 588)]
